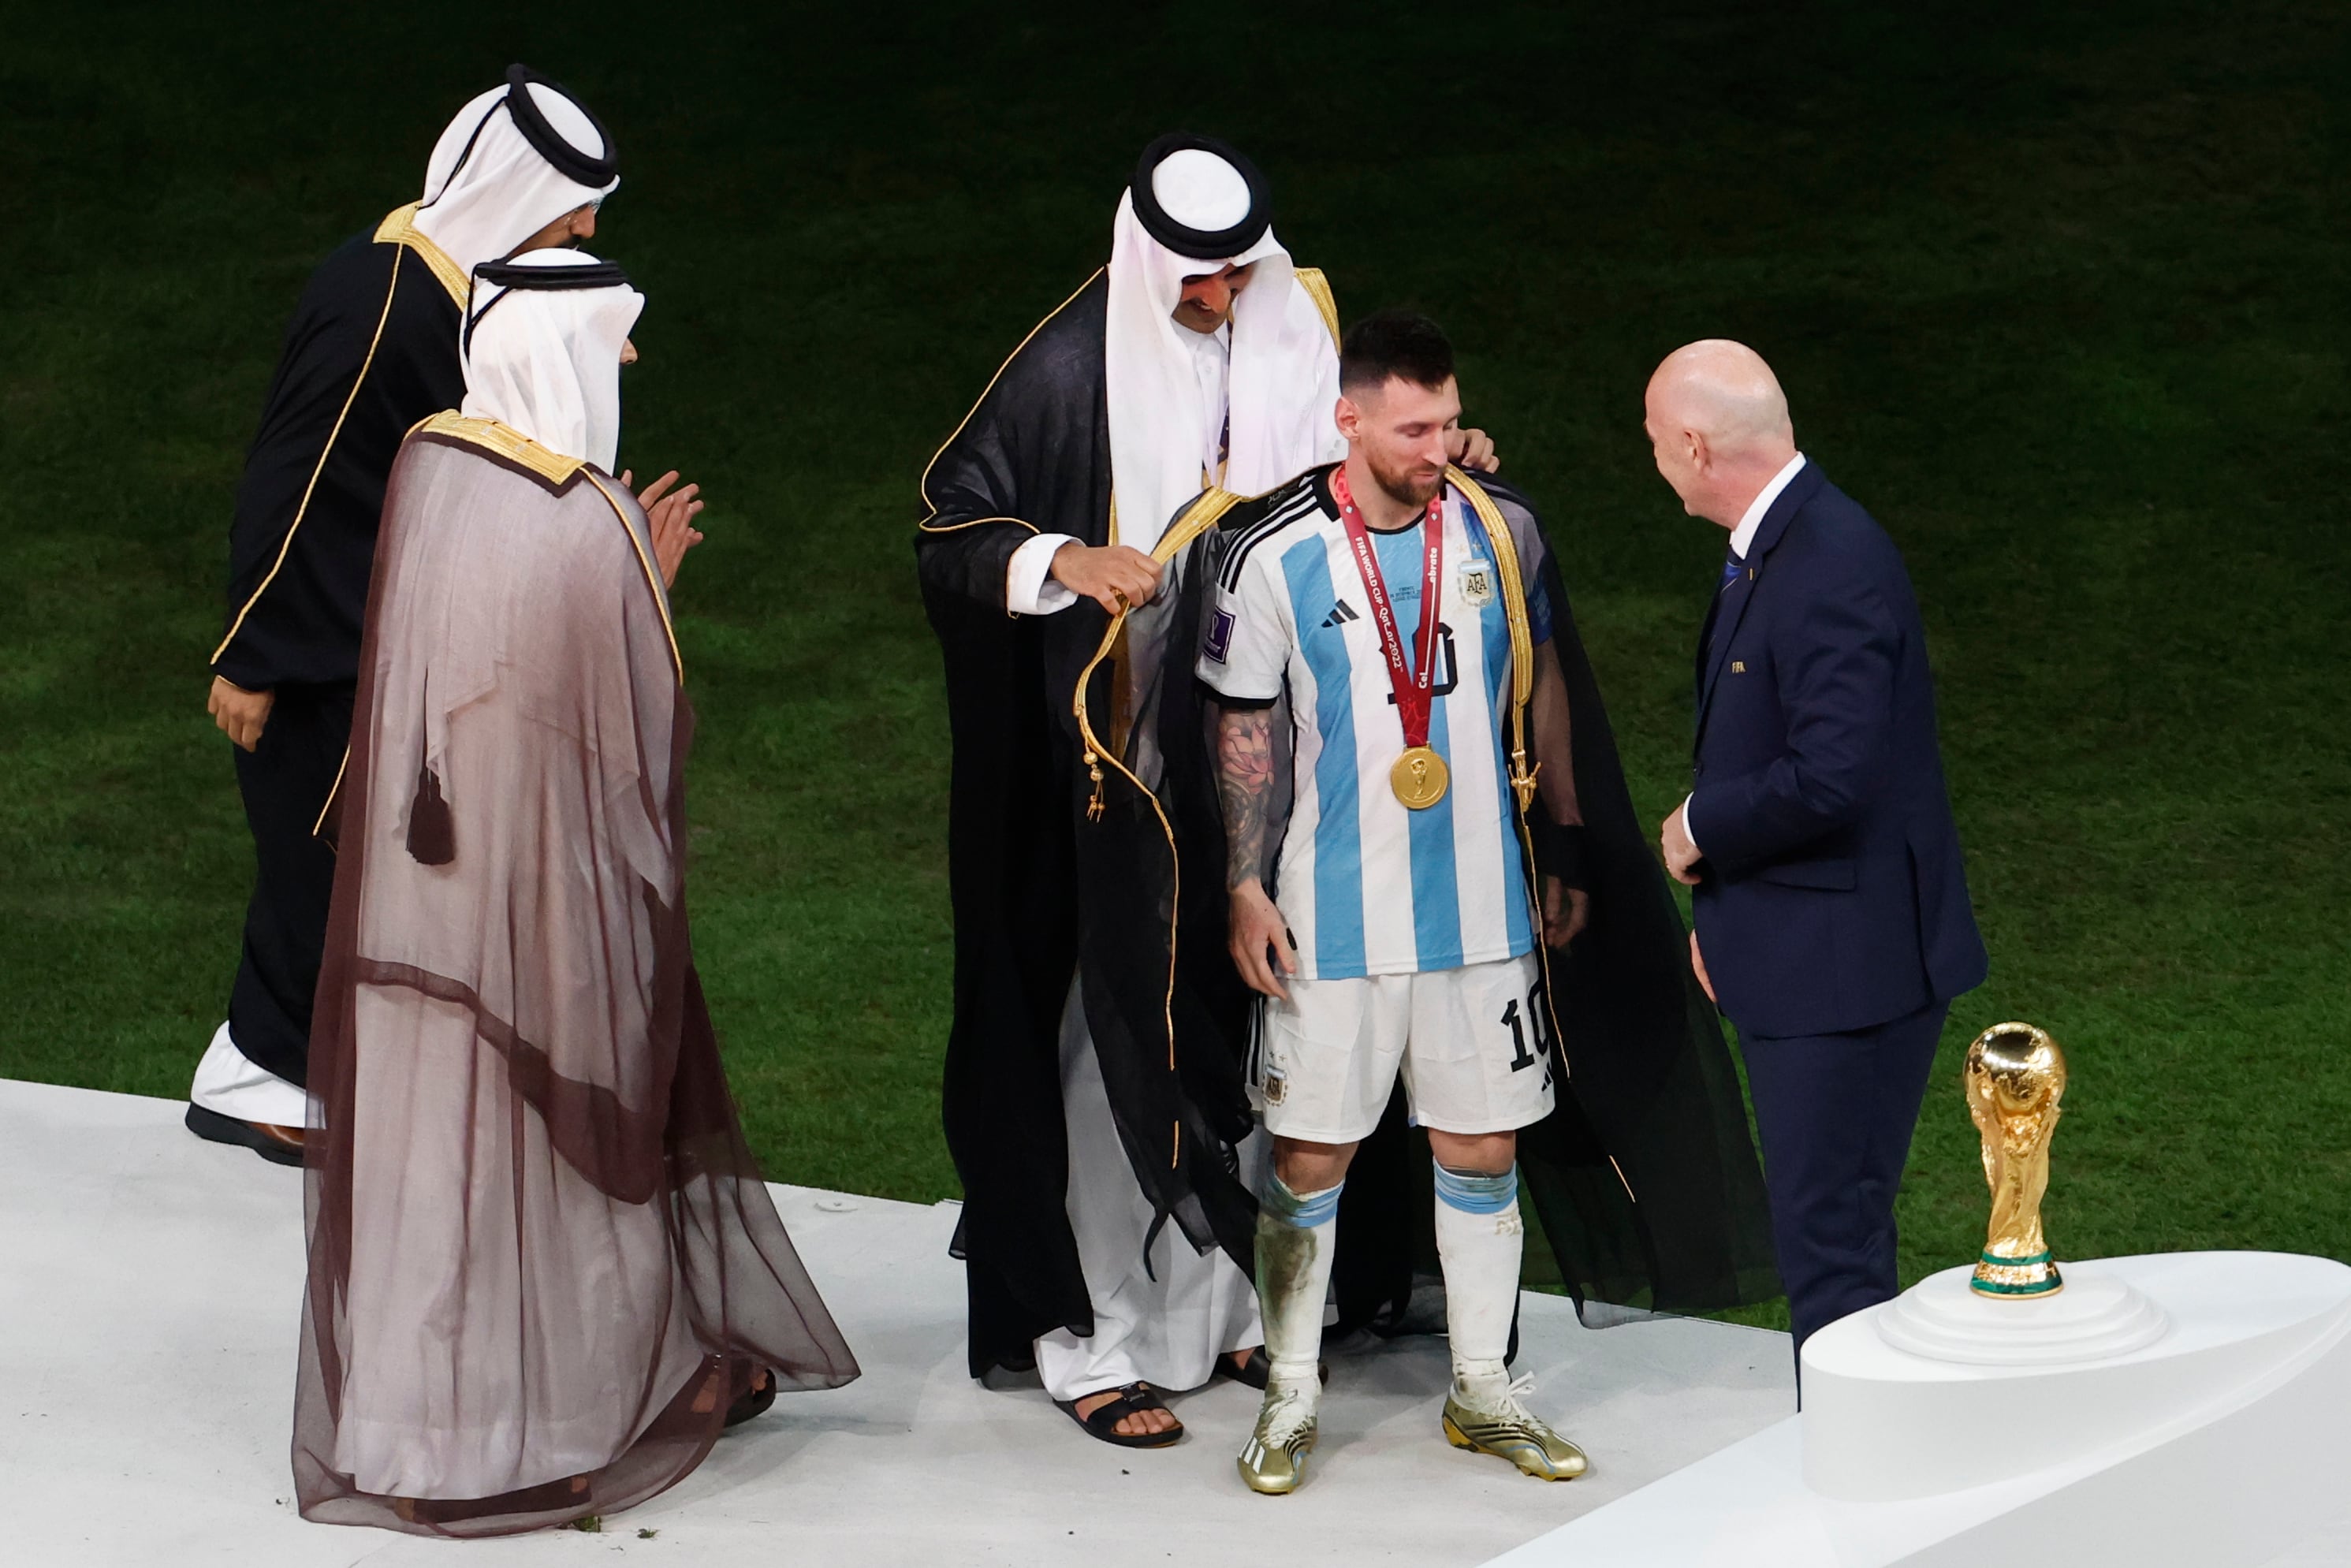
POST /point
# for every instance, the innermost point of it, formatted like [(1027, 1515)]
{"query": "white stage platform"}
[(150, 1289), (2203, 1420)]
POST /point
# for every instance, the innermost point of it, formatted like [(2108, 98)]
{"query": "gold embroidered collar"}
[(399, 227), (503, 441)]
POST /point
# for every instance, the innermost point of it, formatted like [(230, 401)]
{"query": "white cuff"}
[(1028, 585), (1686, 827)]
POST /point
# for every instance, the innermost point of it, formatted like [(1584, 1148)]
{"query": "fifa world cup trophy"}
[(2014, 1079)]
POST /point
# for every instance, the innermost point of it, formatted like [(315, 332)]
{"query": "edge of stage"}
[(148, 1311)]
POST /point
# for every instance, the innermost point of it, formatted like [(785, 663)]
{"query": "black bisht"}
[(1037, 886), (1048, 863), (1644, 1178)]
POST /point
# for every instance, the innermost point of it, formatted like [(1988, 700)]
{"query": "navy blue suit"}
[(1833, 907)]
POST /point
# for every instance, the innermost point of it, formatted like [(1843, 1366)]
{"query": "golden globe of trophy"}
[(2014, 1079)]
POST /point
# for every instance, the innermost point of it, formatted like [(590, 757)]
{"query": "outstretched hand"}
[(670, 515)]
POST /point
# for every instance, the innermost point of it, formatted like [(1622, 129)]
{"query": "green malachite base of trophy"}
[(2015, 1078)]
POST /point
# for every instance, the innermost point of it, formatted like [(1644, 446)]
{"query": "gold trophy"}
[(2015, 1076)]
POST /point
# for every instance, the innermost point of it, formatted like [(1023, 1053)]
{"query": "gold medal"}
[(1419, 778)]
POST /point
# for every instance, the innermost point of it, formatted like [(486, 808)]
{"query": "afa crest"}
[(1477, 583)]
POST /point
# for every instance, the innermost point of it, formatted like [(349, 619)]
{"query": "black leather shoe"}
[(279, 1146)]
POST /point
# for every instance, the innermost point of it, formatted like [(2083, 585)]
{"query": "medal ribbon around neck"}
[(1419, 776)]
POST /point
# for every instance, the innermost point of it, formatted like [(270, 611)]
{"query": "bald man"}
[(1832, 923)]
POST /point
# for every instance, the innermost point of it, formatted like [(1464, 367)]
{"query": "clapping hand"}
[(670, 515)]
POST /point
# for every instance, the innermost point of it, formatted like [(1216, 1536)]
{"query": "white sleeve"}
[(1686, 827), (1029, 586), (1244, 647)]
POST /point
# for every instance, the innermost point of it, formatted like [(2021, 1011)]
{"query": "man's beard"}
[(1404, 485)]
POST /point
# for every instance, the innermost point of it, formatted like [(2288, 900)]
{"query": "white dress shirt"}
[(1028, 585), (1742, 538)]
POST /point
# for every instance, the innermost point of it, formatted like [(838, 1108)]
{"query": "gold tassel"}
[(1522, 779), (1094, 771)]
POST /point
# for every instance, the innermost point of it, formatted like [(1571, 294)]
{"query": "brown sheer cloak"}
[(537, 1240)]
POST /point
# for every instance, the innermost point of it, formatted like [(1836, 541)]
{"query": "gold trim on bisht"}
[(1197, 518), (318, 823), (1514, 610), (399, 227), (505, 441), (1523, 773), (1318, 290), (922, 485), (653, 574), (302, 509)]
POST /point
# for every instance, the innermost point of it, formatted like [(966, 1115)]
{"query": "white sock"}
[(1480, 1241), (1295, 1238)]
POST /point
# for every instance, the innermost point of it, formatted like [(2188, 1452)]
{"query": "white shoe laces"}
[(1287, 1414), (1508, 1407)]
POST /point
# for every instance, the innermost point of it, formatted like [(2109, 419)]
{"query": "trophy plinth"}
[(2015, 1078)]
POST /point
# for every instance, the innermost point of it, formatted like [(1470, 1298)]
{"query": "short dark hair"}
[(1394, 343)]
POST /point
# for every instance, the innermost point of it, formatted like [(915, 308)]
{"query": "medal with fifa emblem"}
[(1419, 776)]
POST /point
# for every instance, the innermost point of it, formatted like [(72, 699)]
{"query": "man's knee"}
[(1306, 1168), (1474, 1154)]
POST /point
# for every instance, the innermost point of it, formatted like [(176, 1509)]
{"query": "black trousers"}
[(1835, 1113), (286, 781)]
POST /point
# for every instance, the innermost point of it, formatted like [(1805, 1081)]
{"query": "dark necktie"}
[(1732, 565)]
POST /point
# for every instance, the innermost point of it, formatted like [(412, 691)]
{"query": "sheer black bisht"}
[(1644, 1177)]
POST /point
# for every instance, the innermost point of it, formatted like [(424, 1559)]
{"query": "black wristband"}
[(1560, 850)]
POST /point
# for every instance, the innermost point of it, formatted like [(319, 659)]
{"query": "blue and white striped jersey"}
[(1367, 885)]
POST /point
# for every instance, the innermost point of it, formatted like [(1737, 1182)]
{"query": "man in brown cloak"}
[(544, 1269)]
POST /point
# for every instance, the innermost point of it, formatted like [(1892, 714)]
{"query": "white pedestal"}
[(2099, 1314), (2218, 1442), (1881, 1423)]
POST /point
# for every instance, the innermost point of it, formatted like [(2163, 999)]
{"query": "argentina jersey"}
[(1367, 885)]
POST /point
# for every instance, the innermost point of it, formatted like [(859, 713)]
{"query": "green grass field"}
[(2058, 292)]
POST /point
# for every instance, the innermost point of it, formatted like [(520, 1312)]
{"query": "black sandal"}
[(1257, 1371), (1133, 1400)]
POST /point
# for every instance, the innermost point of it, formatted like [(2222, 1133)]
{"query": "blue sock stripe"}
[(1478, 1194), (1303, 1210)]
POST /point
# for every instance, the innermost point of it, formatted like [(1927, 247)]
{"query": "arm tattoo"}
[(1245, 786)]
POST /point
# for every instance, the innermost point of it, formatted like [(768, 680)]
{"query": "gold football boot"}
[(1515, 1434), (1273, 1461)]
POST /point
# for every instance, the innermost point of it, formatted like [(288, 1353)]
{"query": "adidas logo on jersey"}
[(1340, 614)]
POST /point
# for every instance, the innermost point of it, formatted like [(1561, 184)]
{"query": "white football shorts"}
[(1473, 1043)]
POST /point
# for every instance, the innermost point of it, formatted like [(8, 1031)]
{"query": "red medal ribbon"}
[(1412, 687)]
